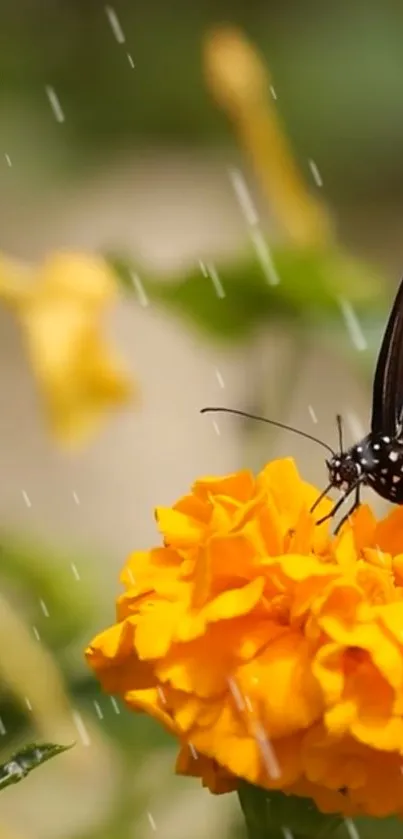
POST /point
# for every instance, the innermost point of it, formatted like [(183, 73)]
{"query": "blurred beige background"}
[(141, 164)]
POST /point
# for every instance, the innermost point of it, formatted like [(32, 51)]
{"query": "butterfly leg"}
[(341, 501), (320, 497), (356, 504)]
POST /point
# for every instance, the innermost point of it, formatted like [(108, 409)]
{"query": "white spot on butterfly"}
[(393, 456), (396, 479), (386, 439), (376, 447)]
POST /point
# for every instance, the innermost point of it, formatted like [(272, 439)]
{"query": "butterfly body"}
[(376, 461)]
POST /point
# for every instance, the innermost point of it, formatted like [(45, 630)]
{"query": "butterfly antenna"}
[(339, 420), (269, 422)]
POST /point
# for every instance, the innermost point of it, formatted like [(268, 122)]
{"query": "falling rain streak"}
[(115, 705), (75, 572), (161, 695), (151, 820), (115, 24), (8, 160), (81, 728), (265, 257), (55, 103), (312, 414), (44, 608), (139, 289), (236, 694), (218, 286), (98, 710), (26, 498), (243, 195), (315, 173), (266, 751), (219, 378), (353, 326), (355, 425), (352, 830)]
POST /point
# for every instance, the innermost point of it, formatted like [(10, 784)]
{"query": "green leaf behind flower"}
[(271, 814), (311, 283), (19, 765)]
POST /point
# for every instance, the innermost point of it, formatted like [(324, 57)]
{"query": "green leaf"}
[(270, 814), (19, 765), (311, 284)]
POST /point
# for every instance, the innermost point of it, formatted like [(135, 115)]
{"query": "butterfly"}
[(376, 460)]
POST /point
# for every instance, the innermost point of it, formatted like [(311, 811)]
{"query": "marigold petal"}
[(213, 776), (155, 629), (179, 530), (239, 486), (280, 671), (150, 702), (388, 532), (328, 670), (234, 603), (112, 657)]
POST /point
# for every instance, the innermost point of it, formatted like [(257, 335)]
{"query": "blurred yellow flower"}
[(59, 306), (271, 649), (240, 82)]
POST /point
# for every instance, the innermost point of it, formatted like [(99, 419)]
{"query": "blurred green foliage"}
[(336, 70), (267, 813), (311, 285)]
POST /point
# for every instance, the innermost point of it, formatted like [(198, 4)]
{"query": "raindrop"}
[(55, 104), (75, 571), (243, 195), (81, 728), (315, 173), (115, 24), (142, 297), (220, 379), (26, 498), (44, 608), (353, 326), (115, 705), (218, 286), (265, 257)]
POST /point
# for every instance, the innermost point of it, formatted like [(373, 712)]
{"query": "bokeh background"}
[(135, 159)]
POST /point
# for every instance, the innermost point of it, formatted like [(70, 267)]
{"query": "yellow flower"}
[(240, 82), (272, 650), (59, 306)]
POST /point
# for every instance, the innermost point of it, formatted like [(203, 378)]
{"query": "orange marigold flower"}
[(271, 649)]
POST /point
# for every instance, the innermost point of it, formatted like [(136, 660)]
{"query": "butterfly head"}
[(343, 470)]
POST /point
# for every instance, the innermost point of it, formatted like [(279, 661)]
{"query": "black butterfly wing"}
[(387, 399)]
